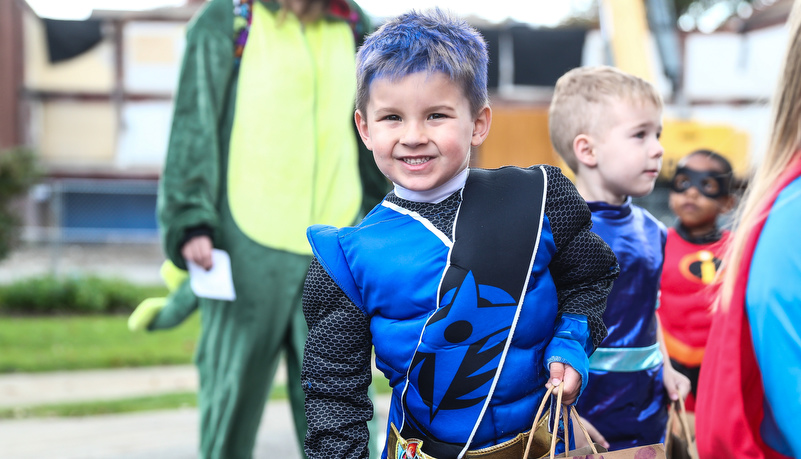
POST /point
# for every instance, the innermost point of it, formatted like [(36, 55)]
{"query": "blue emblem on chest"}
[(461, 347)]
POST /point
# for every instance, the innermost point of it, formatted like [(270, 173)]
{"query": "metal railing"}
[(92, 211)]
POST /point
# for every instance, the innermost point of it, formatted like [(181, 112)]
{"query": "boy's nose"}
[(413, 135), (659, 151), (693, 191)]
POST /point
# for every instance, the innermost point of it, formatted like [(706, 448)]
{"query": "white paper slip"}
[(216, 283)]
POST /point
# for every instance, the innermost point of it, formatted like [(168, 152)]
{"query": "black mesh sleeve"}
[(336, 370), (584, 266)]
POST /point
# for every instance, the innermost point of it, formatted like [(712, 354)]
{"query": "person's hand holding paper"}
[(216, 283)]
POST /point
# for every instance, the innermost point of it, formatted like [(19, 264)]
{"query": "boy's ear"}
[(583, 149), (364, 132), (481, 126)]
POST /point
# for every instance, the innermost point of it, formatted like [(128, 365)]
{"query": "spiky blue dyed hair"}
[(424, 41)]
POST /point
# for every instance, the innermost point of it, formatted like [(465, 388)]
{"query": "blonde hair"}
[(579, 98), (783, 146)]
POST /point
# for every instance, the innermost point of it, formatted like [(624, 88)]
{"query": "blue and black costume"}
[(466, 301)]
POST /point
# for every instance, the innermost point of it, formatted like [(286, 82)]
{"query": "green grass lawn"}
[(80, 342), (57, 343), (50, 343)]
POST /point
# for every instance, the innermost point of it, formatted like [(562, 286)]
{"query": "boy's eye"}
[(391, 118), (436, 116), (640, 135), (711, 187), (681, 183)]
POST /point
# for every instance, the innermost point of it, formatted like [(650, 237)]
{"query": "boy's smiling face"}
[(420, 129)]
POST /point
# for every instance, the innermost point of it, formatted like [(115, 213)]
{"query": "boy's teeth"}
[(415, 161)]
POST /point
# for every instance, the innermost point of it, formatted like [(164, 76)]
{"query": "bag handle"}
[(685, 424), (679, 412), (537, 420), (556, 421), (577, 418), (567, 415), (671, 420)]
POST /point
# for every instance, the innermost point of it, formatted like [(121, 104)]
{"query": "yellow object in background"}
[(680, 137), (625, 26), (520, 137), (172, 275)]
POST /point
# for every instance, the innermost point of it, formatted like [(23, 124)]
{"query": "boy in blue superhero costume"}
[(606, 125), (477, 288)]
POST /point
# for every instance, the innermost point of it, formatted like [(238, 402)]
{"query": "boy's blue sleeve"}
[(571, 345), (584, 266)]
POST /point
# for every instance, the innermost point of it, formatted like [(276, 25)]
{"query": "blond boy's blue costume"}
[(626, 397), (466, 301)]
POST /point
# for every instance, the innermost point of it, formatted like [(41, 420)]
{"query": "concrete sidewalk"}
[(171, 434), (29, 389)]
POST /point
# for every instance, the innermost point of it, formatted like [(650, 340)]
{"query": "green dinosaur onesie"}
[(260, 149)]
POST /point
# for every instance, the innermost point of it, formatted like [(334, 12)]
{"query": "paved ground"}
[(150, 435), (28, 389), (170, 434)]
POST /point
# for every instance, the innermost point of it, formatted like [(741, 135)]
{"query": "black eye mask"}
[(709, 183)]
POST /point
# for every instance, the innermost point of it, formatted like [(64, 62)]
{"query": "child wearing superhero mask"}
[(700, 194)]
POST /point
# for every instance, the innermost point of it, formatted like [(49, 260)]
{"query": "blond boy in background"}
[(606, 125)]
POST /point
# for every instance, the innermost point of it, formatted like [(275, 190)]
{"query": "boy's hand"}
[(567, 375), (676, 384)]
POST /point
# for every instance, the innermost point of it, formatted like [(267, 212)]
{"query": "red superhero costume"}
[(687, 296)]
